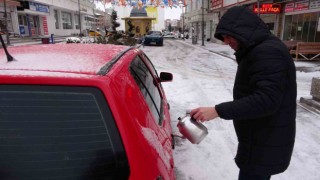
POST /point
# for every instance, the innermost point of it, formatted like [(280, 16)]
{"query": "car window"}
[(149, 89), (50, 132), (158, 33), (147, 60), (153, 69)]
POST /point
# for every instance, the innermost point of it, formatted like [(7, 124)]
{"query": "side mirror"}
[(165, 77)]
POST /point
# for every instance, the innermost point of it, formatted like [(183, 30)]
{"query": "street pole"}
[(6, 22), (202, 33), (79, 18), (94, 22), (258, 4), (183, 21)]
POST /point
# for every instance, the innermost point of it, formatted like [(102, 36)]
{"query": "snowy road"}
[(203, 78)]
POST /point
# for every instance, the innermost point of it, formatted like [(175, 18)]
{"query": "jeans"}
[(248, 176)]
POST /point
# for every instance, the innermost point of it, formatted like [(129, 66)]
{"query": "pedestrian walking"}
[(263, 109)]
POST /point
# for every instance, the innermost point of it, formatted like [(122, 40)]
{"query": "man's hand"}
[(204, 113)]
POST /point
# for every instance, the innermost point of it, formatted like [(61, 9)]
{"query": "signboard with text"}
[(45, 25), (39, 7), (267, 8), (314, 4), (289, 7), (216, 4), (301, 5)]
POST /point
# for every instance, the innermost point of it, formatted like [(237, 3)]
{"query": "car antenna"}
[(9, 57)]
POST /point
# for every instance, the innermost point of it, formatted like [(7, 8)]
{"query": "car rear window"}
[(49, 132)]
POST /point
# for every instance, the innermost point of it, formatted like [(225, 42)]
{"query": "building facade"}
[(153, 12), (287, 19), (59, 17)]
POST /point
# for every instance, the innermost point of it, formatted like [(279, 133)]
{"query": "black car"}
[(153, 38)]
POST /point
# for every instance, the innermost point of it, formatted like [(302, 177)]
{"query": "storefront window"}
[(287, 28), (312, 27), (66, 20), (317, 39), (299, 27), (302, 27), (76, 21), (305, 27)]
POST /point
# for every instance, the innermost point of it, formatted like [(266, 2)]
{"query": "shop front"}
[(32, 18), (301, 21), (269, 12)]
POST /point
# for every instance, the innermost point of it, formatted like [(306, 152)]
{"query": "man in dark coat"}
[(265, 91)]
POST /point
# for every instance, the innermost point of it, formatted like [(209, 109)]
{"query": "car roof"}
[(85, 59)]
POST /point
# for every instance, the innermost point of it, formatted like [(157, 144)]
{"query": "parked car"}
[(94, 33), (80, 111), (153, 37), (171, 35)]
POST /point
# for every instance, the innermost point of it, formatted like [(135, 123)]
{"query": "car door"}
[(146, 77)]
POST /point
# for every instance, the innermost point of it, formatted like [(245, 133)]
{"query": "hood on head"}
[(242, 24)]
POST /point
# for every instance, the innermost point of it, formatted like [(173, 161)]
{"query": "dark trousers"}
[(248, 176)]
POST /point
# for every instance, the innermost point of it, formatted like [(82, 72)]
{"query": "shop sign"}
[(301, 5), (38, 7), (216, 4), (314, 4), (22, 30), (267, 8), (289, 7), (45, 25)]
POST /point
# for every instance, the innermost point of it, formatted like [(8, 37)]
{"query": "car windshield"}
[(158, 33)]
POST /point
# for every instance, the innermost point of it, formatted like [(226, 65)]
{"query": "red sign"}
[(216, 4), (289, 7), (301, 5), (45, 25), (268, 8)]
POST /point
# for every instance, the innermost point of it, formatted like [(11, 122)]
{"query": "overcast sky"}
[(172, 13)]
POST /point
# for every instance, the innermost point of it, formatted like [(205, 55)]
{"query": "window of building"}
[(302, 27), (66, 20), (56, 18), (22, 20), (76, 21)]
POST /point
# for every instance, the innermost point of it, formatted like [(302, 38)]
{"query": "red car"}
[(78, 111)]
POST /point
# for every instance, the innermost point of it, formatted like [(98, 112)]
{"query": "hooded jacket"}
[(265, 92)]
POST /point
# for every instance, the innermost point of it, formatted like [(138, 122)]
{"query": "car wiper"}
[(9, 57)]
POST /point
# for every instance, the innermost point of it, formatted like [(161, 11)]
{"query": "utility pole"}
[(94, 19), (258, 4), (183, 11), (182, 5), (5, 21), (79, 18), (202, 29)]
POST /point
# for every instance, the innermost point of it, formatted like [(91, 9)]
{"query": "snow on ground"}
[(203, 78)]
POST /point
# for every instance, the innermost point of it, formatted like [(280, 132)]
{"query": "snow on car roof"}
[(63, 58)]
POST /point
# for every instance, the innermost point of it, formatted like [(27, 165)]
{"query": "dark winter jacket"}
[(264, 105)]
